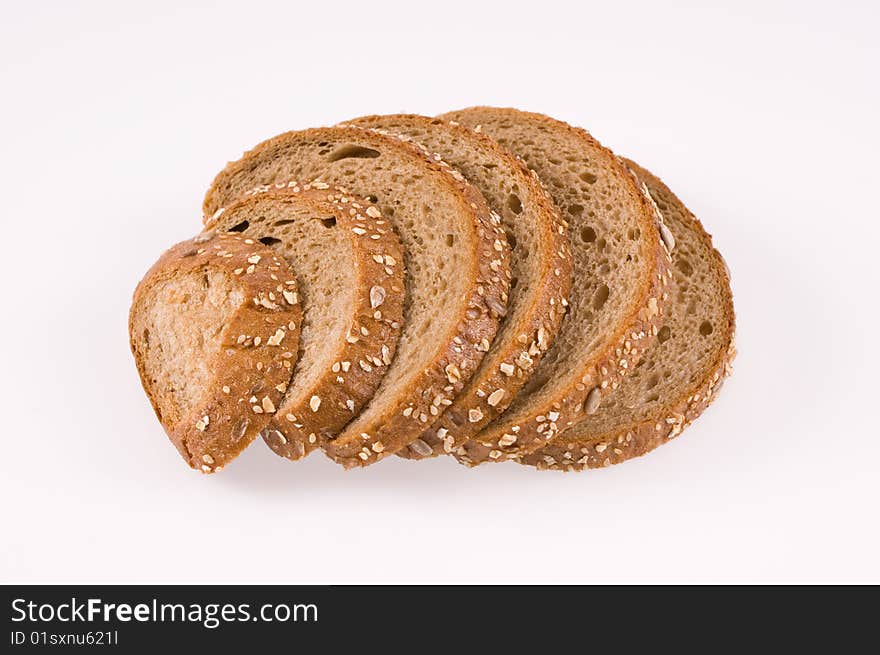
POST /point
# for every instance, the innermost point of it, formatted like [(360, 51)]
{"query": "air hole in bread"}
[(283, 223), (588, 234), (601, 296), (600, 244), (575, 209), (373, 199), (330, 221), (664, 334), (450, 240), (269, 241), (352, 151), (427, 214), (588, 177), (653, 380), (706, 328), (511, 239), (684, 266), (634, 234), (514, 203), (513, 282), (241, 227)]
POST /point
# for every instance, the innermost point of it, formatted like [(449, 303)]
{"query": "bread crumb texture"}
[(620, 272), (456, 282), (214, 329), (540, 265), (680, 374), (490, 284), (351, 289)]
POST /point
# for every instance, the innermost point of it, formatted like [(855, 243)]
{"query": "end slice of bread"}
[(619, 275), (540, 269), (215, 343), (347, 281), (680, 374), (456, 279)]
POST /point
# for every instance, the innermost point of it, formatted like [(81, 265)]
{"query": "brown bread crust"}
[(569, 453), (456, 354), (511, 435), (490, 391), (258, 347), (462, 351), (305, 422)]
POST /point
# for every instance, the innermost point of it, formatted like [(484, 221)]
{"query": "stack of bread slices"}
[(489, 285)]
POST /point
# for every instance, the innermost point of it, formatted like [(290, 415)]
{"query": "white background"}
[(762, 116)]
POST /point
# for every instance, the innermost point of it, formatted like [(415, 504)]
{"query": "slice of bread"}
[(679, 374), (456, 258), (540, 266), (214, 328), (346, 281), (620, 271)]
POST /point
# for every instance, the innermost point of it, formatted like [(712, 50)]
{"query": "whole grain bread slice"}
[(680, 374), (620, 271), (540, 266), (456, 258), (346, 281), (213, 345)]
